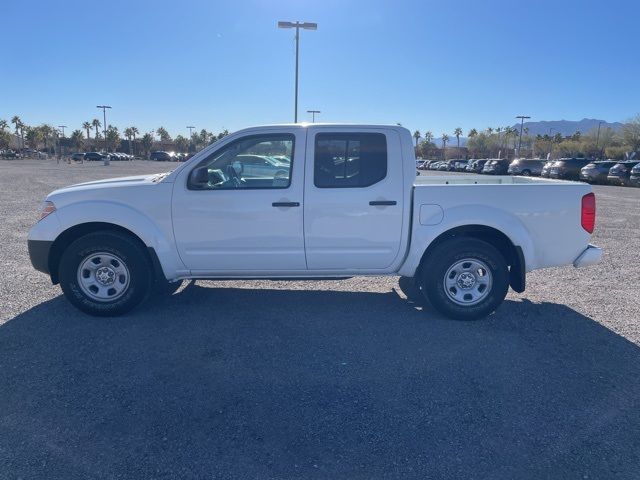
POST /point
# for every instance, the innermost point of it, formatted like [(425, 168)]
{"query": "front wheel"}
[(105, 273), (465, 278)]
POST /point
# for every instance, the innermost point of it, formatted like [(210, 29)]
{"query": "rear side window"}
[(349, 160)]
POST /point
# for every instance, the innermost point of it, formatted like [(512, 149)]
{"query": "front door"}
[(353, 196), (233, 216)]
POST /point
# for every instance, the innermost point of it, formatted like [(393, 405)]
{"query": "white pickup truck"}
[(326, 201)]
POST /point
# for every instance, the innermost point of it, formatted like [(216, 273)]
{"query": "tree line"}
[(91, 136), (503, 141)]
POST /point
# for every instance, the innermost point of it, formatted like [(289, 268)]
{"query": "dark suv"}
[(97, 156), (634, 178), (567, 168), (497, 166), (596, 172), (526, 166), (161, 156), (620, 173)]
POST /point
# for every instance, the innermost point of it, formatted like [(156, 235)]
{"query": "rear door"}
[(353, 199)]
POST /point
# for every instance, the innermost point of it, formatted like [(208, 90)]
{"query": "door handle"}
[(285, 204), (383, 202)]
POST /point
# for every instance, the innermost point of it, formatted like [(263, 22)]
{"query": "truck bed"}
[(482, 180)]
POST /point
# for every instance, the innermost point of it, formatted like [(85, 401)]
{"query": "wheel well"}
[(72, 234), (512, 254)]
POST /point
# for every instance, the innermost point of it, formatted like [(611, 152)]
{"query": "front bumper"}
[(39, 254), (634, 180), (590, 256), (617, 179)]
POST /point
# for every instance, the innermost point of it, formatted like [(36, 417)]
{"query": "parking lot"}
[(327, 379)]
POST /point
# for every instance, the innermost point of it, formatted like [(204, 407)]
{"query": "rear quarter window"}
[(349, 160)]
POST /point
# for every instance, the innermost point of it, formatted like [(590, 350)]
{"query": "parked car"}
[(567, 168), (496, 166), (349, 204), (596, 172), (620, 173), (77, 157), (95, 156), (546, 168), (9, 154), (161, 156), (475, 166), (634, 177), (435, 165), (526, 167), (460, 165)]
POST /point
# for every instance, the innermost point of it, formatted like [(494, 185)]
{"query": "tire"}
[(116, 269), (453, 275)]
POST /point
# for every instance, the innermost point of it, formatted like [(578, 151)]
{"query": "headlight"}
[(47, 209)]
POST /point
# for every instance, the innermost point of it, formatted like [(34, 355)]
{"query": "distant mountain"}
[(567, 127), (564, 127)]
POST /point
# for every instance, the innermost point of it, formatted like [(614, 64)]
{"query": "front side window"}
[(258, 161), (349, 159)]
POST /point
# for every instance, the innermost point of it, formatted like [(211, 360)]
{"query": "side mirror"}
[(199, 177)]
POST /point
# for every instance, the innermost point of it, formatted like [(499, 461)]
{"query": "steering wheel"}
[(233, 176)]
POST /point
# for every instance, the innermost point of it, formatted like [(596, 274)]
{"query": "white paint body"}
[(334, 232)]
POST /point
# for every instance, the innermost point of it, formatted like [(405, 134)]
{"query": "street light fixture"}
[(297, 26), (598, 136), (521, 117), (190, 136), (61, 127), (313, 115), (104, 117)]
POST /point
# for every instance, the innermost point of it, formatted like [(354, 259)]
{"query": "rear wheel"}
[(465, 278), (105, 273)]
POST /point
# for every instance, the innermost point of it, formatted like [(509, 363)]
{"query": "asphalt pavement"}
[(326, 379)]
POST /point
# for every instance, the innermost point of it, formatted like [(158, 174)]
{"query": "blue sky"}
[(224, 64)]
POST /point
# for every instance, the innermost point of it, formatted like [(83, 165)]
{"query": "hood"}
[(117, 180), (111, 183)]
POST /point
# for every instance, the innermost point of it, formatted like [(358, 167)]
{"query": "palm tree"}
[(182, 144), (3, 125), (95, 123), (47, 132), (19, 126), (76, 138), (128, 133), (428, 136), (416, 135), (147, 142), (445, 139), (87, 127), (163, 134), (113, 136), (457, 132), (472, 133)]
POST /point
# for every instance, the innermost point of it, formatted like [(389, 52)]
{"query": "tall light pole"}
[(521, 117), (550, 141), (104, 118), (61, 127), (313, 115), (598, 136), (297, 26), (190, 136)]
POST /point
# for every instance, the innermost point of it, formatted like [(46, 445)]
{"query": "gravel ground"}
[(335, 379)]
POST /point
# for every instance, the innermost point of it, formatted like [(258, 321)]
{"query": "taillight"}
[(588, 215)]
